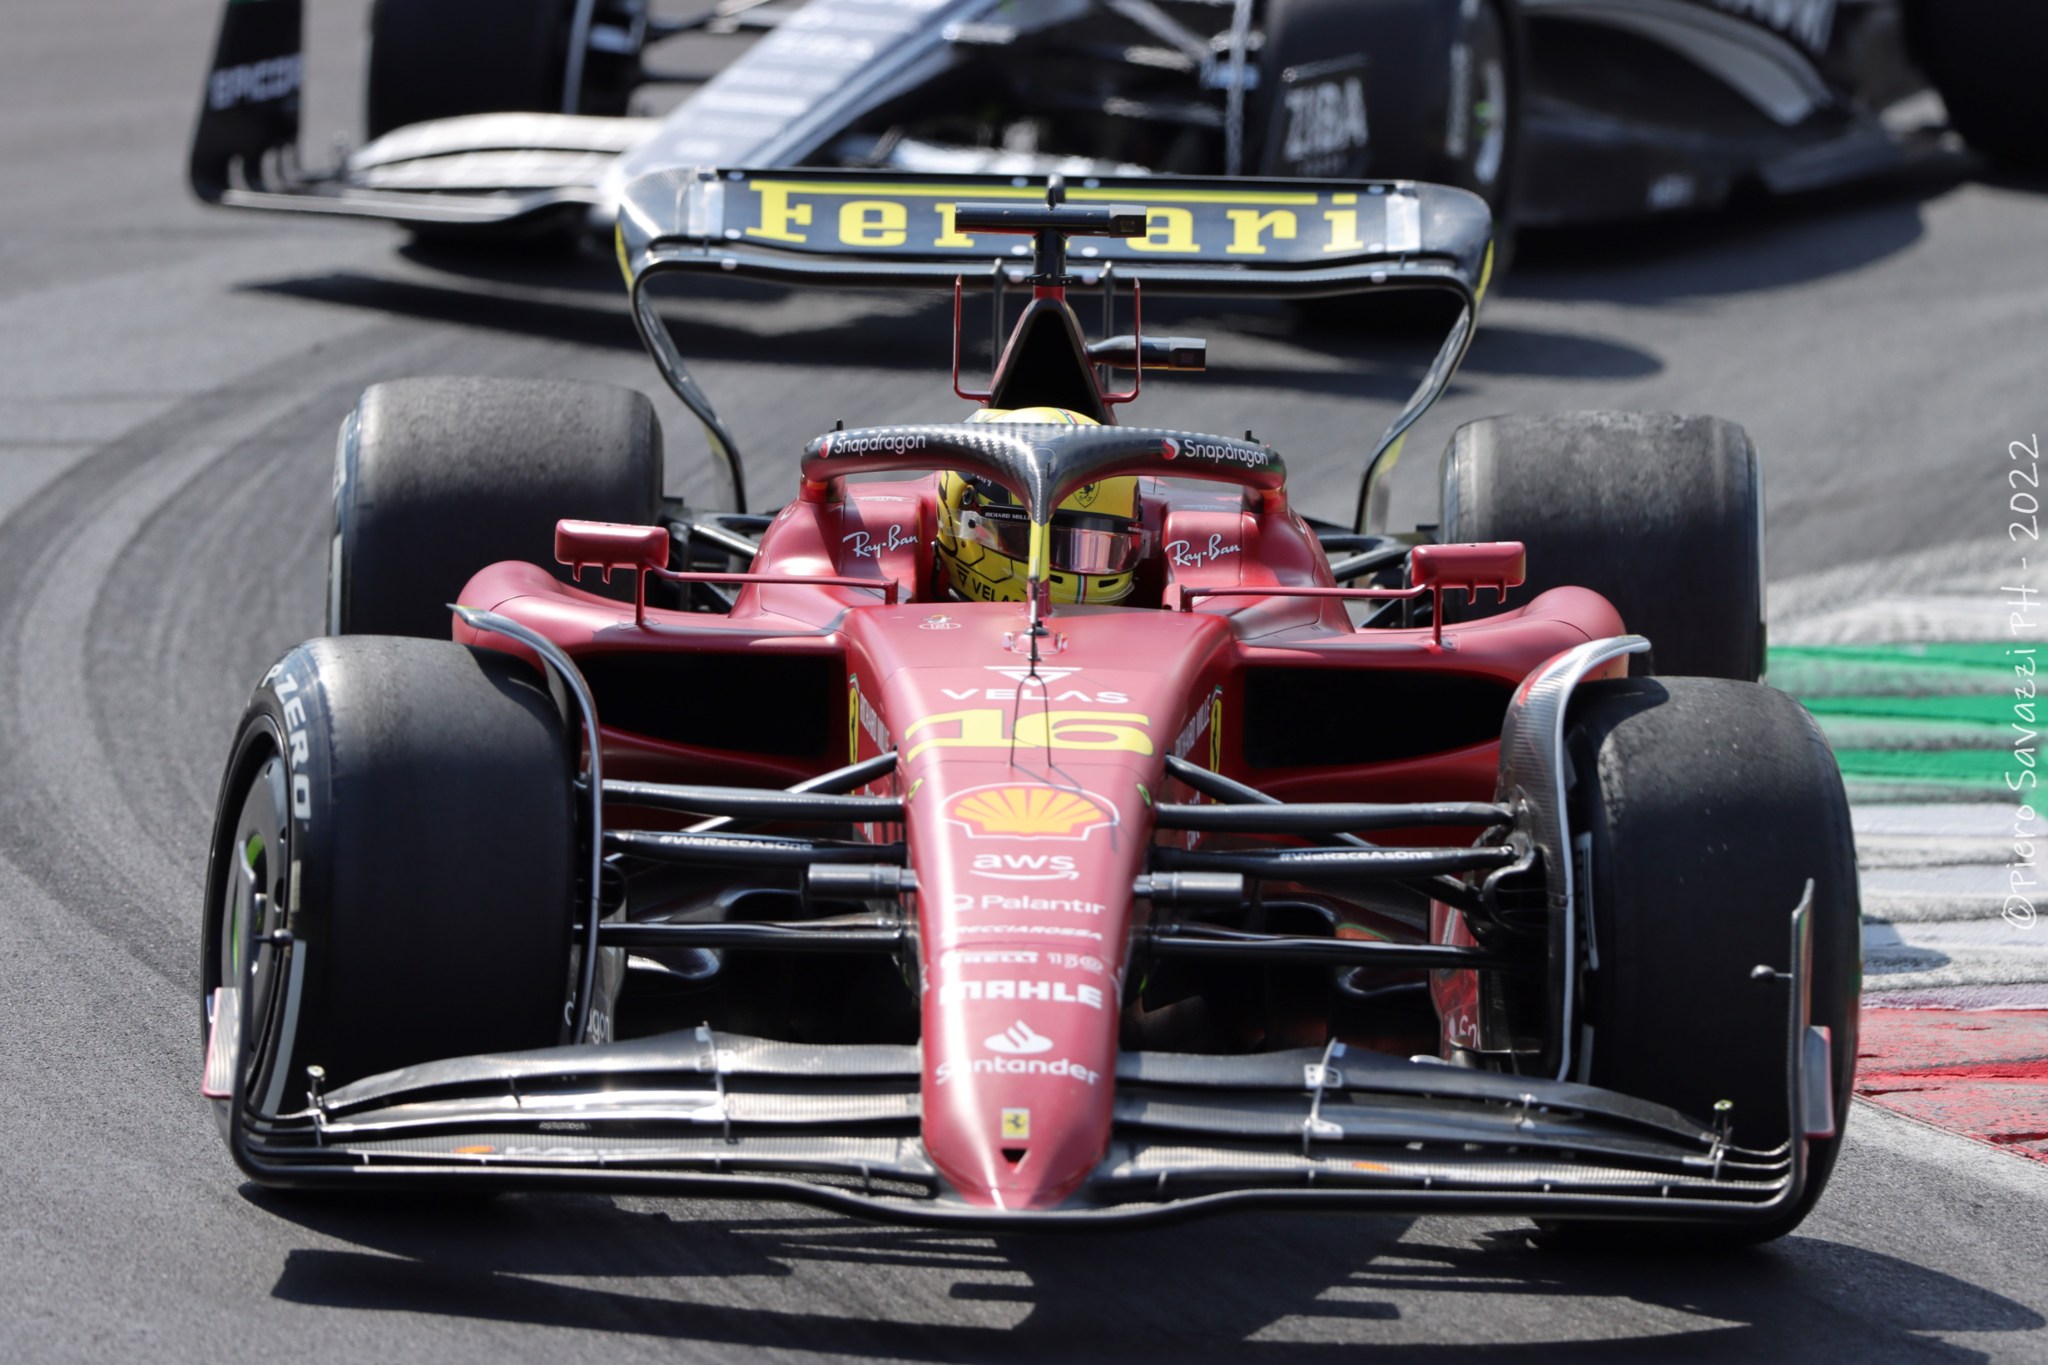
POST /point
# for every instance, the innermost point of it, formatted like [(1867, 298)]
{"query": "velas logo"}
[(1018, 1040), (1029, 677), (1017, 812)]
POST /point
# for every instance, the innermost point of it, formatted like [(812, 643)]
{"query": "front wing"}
[(716, 1114)]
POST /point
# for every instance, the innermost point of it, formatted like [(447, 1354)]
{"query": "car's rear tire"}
[(1446, 108), (443, 58), (437, 478), (405, 806), (1442, 85), (1984, 57), (1661, 514), (1710, 804)]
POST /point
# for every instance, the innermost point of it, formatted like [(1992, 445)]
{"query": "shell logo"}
[(1030, 812)]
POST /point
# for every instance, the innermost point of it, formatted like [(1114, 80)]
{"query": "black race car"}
[(519, 116)]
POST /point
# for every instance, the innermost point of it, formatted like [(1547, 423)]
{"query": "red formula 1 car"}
[(1036, 821)]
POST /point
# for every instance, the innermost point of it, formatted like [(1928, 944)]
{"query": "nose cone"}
[(1017, 1104), (1035, 1165)]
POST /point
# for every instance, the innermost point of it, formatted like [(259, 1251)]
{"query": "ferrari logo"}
[(1027, 812), (1017, 1123)]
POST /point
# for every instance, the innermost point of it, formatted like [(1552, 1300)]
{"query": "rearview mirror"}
[(608, 545), (1499, 565)]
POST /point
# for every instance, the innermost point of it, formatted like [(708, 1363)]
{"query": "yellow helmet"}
[(984, 534)]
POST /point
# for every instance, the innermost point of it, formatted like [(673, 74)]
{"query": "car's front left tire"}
[(392, 873)]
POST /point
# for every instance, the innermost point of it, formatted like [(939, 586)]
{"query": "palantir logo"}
[(1018, 1040)]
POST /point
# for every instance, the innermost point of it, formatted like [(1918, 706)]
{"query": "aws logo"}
[(1019, 812), (1027, 867)]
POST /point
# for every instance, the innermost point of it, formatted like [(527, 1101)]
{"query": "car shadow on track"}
[(1296, 1288), (1266, 345), (1750, 246)]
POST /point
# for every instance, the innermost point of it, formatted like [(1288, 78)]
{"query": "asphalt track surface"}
[(170, 380)]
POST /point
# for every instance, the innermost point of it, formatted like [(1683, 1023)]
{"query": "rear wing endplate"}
[(1283, 239)]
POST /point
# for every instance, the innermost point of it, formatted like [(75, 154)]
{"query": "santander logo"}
[(1018, 1040)]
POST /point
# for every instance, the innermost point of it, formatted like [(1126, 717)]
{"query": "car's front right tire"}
[(437, 478), (1660, 514), (1707, 806)]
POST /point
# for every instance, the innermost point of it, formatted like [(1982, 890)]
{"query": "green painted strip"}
[(1982, 654), (1993, 712), (1896, 734), (1897, 670), (1949, 767), (1931, 718)]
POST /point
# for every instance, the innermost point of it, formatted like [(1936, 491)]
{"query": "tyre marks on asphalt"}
[(1914, 689), (128, 557)]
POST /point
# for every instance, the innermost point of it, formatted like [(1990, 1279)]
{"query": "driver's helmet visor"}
[(1080, 544)]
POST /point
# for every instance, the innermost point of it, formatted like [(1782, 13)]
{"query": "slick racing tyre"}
[(1709, 805), (1480, 111), (434, 59), (1416, 92), (391, 878), (1984, 56), (435, 479), (1662, 515)]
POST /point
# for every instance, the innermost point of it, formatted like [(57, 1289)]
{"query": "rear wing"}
[(249, 112), (509, 172), (1285, 239), (1271, 238)]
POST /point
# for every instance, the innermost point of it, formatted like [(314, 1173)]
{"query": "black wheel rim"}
[(1476, 131), (249, 909)]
